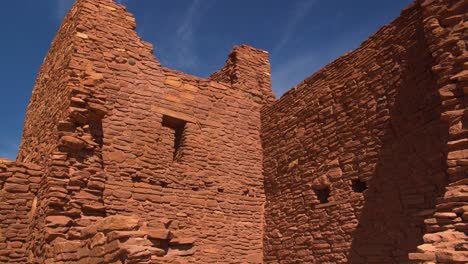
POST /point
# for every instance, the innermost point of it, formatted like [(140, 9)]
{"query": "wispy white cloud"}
[(298, 13), (185, 32), (185, 29), (61, 8), (185, 55), (295, 69)]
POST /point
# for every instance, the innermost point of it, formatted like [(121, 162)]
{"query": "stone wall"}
[(445, 25), (48, 104), (355, 156), (212, 187), (125, 239), (19, 183), (142, 140), (136, 163), (248, 69)]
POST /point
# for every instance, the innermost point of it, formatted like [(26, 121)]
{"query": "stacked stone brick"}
[(381, 131), (125, 239), (111, 117), (369, 117), (19, 184), (125, 161), (445, 25)]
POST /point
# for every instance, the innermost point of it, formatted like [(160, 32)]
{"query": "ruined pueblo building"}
[(125, 161)]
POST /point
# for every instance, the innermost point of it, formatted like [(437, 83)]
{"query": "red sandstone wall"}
[(373, 115), (48, 103), (239, 74), (19, 183), (125, 239), (445, 239), (106, 112), (214, 191), (114, 153), (72, 147)]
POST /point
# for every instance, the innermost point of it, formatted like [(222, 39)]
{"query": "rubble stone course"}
[(125, 161)]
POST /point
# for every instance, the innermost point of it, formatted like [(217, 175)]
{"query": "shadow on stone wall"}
[(410, 173)]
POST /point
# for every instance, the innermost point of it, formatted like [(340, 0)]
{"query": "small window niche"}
[(178, 128), (323, 194), (359, 185)]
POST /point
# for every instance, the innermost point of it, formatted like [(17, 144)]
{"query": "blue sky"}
[(194, 36)]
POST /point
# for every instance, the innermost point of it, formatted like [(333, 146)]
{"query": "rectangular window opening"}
[(323, 194), (178, 127)]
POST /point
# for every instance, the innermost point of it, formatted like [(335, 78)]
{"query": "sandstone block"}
[(58, 220), (72, 143), (161, 234), (118, 222), (16, 188)]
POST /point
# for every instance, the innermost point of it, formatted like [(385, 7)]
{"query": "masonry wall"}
[(136, 163), (63, 134), (368, 128), (445, 239), (49, 100), (213, 188), (19, 184), (136, 139)]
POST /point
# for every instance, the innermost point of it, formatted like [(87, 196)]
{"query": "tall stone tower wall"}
[(118, 135)]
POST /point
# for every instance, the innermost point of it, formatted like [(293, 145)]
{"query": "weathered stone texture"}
[(445, 26), (388, 117), (19, 183), (139, 139), (363, 162), (116, 238)]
